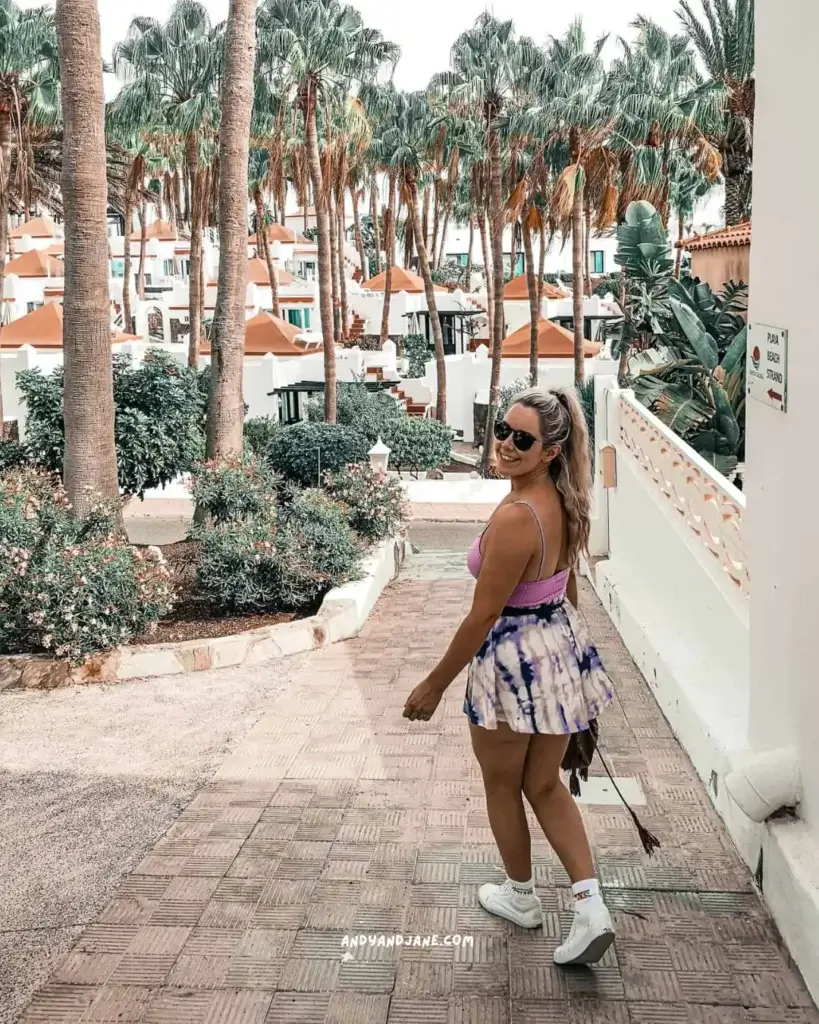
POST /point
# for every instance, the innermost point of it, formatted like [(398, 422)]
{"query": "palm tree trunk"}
[(424, 222), (435, 215), (376, 226), (389, 229), (4, 231), (577, 286), (444, 229), (432, 306), (541, 266), (586, 248), (469, 254), (531, 285), (359, 241), (143, 241), (487, 273), (90, 462), (127, 317), (226, 405), (323, 237), (342, 277), (496, 239), (333, 224), (195, 281), (264, 244), (680, 236), (513, 250)]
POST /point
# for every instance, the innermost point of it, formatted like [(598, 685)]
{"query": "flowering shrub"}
[(234, 488), (259, 432), (376, 504), (69, 586), (261, 565)]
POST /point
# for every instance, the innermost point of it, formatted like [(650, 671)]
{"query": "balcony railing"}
[(710, 506)]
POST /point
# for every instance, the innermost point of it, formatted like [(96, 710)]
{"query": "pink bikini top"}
[(535, 592)]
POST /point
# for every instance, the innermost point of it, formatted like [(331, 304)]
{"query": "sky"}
[(426, 29)]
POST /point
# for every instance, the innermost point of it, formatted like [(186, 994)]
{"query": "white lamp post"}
[(380, 456)]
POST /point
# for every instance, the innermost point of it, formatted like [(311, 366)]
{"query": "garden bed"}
[(342, 614), (194, 619)]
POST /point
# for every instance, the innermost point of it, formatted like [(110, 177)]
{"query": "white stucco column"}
[(782, 471)]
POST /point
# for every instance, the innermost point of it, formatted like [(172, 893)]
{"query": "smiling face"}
[(511, 461)]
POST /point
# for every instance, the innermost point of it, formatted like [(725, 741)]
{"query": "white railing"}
[(711, 507)]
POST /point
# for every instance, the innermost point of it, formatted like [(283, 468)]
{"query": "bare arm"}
[(509, 547), (571, 589)]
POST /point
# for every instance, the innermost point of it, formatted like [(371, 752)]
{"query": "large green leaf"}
[(701, 341), (734, 357), (726, 421)]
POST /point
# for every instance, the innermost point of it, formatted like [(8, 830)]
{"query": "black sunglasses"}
[(521, 439)]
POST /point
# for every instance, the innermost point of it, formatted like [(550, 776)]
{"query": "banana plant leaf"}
[(734, 357), (726, 421), (701, 341)]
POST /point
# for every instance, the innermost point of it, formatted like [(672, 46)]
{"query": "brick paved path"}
[(335, 816)]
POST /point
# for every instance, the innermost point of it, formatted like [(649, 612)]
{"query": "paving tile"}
[(336, 817)]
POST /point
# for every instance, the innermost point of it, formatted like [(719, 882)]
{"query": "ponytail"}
[(563, 422)]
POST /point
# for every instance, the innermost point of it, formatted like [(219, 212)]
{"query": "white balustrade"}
[(711, 507)]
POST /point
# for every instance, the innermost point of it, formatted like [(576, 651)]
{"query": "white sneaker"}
[(520, 908), (591, 934)]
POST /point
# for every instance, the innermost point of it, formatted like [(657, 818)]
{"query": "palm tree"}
[(170, 72), (408, 140), (90, 465), (490, 69), (28, 96), (259, 176), (316, 48), (225, 407), (574, 119), (725, 44)]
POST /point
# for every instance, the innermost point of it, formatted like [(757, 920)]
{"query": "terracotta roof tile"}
[(35, 263), (726, 238), (553, 342)]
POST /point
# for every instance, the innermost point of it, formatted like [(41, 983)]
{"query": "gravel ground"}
[(90, 778)]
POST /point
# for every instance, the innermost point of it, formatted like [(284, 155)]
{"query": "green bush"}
[(376, 503), (234, 488), (259, 433), (418, 445), (416, 350), (69, 586), (13, 455), (254, 566), (159, 423), (369, 412), (305, 451)]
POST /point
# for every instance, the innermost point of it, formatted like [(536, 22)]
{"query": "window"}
[(117, 268), (597, 257), (168, 267), (31, 306)]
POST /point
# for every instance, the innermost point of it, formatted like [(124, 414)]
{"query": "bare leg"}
[(555, 810), (501, 753)]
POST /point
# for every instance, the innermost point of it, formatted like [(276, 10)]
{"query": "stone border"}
[(341, 616)]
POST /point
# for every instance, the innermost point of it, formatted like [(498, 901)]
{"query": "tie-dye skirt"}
[(537, 672)]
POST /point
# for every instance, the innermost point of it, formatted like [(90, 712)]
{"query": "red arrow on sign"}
[(774, 395)]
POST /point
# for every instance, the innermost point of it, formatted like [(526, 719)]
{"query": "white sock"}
[(522, 888), (586, 892)]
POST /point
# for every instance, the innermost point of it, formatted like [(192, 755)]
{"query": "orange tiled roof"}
[(257, 273), (402, 281), (39, 227), (160, 229), (517, 288), (44, 329), (735, 236), (267, 333), (36, 263), (553, 342), (276, 233)]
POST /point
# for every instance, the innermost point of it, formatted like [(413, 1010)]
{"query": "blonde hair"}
[(562, 422)]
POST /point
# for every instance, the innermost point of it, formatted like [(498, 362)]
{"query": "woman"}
[(534, 678)]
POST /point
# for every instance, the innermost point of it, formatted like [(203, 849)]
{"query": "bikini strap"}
[(540, 531)]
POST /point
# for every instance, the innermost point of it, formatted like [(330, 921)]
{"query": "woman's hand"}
[(422, 702)]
